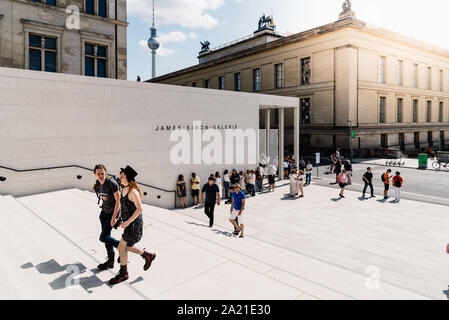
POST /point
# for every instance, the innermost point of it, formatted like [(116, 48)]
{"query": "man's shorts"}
[(387, 186), (196, 193), (235, 214)]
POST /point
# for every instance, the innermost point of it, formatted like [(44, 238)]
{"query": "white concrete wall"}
[(56, 119)]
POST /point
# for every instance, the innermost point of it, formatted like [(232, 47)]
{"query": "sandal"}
[(241, 237)]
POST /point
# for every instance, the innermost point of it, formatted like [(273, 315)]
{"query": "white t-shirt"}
[(293, 178), (262, 171), (301, 179), (218, 182), (252, 178), (226, 178), (285, 165), (309, 168)]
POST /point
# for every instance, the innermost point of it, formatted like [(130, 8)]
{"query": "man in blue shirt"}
[(237, 207)]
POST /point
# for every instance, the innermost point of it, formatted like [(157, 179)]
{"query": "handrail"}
[(79, 167)]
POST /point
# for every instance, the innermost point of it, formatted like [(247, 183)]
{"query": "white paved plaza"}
[(317, 247)]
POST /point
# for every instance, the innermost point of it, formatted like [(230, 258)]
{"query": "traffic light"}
[(353, 134)]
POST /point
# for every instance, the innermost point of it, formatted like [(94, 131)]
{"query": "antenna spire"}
[(153, 13)]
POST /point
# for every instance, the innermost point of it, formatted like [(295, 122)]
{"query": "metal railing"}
[(2, 179)]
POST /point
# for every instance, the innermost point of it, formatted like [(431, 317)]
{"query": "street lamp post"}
[(350, 138)]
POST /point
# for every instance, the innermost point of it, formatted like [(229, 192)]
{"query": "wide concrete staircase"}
[(51, 251)]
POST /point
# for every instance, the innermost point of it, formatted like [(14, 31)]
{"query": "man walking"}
[(309, 170), (386, 180), (397, 184), (237, 207), (212, 196), (368, 179), (107, 190)]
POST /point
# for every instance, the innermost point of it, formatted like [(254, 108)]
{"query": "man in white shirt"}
[(309, 170)]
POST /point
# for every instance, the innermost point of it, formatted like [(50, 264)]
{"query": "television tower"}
[(153, 44)]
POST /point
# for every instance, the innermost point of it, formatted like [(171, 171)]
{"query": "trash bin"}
[(422, 160)]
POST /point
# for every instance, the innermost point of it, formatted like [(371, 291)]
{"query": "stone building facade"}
[(392, 90), (82, 37)]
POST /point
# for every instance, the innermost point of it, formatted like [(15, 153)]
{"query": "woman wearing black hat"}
[(132, 223)]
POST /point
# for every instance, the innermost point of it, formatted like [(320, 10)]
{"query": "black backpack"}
[(108, 180), (382, 177)]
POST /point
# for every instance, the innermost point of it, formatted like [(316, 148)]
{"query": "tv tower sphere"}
[(153, 42)]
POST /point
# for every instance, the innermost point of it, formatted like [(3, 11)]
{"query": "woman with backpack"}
[(337, 170), (397, 184), (341, 179)]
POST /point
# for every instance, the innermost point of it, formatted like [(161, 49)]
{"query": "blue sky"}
[(182, 24)]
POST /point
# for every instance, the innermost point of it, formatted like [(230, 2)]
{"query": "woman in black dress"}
[(132, 223), (181, 186)]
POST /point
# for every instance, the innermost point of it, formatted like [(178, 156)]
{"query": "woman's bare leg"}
[(135, 250), (122, 249)]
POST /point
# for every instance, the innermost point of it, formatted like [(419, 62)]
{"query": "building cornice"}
[(38, 23), (350, 22), (82, 14), (96, 35)]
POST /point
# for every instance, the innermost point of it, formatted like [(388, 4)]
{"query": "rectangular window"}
[(42, 53), (305, 111), (399, 111), (442, 142), (194, 84), (400, 72), (306, 71), (402, 141), (278, 75), (429, 78), (256, 79), (429, 111), (441, 80), (430, 138), (90, 7), (415, 111), (102, 10), (381, 70), (95, 60), (237, 81), (207, 84), (415, 76), (382, 106), (416, 140), (440, 113), (221, 85)]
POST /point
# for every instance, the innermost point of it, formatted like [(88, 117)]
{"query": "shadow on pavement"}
[(69, 278)]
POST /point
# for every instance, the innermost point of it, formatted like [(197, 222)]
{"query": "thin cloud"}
[(162, 51), (186, 13)]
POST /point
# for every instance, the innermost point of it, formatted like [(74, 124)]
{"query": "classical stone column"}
[(267, 133), (296, 133), (281, 143)]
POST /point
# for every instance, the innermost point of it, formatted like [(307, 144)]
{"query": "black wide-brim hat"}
[(130, 173)]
